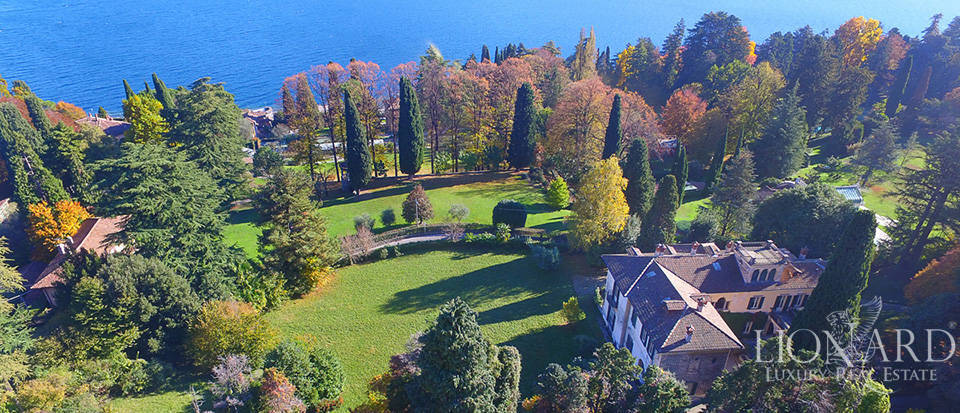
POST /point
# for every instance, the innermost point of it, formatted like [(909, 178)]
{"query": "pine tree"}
[(640, 182), (879, 152), (416, 206), (455, 366), (779, 151), (410, 129), (680, 171), (127, 90), (733, 198), (359, 164), (520, 152), (614, 136), (672, 50), (101, 112), (842, 281), (716, 164), (485, 54), (659, 225)]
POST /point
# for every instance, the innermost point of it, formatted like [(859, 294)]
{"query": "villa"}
[(666, 307)]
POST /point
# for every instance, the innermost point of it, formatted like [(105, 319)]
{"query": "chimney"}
[(694, 248), (660, 250), (633, 251), (701, 302), (730, 245), (70, 240), (689, 333), (803, 253), (771, 245), (62, 248)]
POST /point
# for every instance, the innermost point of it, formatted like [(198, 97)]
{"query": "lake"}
[(80, 50)]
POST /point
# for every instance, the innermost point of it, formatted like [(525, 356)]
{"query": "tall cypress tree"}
[(32, 182), (520, 152), (127, 90), (716, 164), (164, 95), (898, 87), (146, 87), (640, 183), (680, 171), (410, 129), (842, 281), (614, 135), (779, 151), (659, 225), (485, 54), (359, 164), (40, 121)]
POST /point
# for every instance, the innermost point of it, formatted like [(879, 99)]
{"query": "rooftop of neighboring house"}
[(92, 236), (669, 288), (111, 127)]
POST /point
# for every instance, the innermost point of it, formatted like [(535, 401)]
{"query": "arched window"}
[(773, 272), (763, 275), (753, 278), (721, 304)]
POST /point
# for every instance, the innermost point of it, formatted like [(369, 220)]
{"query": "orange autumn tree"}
[(70, 110), (681, 113), (940, 276), (50, 226)]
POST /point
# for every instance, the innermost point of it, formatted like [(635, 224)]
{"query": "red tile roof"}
[(92, 236)]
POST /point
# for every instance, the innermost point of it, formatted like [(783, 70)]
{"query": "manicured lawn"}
[(480, 197), (369, 312), (173, 401)]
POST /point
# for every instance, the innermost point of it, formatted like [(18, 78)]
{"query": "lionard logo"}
[(851, 344)]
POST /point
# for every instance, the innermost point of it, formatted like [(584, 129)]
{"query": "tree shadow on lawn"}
[(555, 224), (555, 344), (474, 287), (396, 186), (542, 304)]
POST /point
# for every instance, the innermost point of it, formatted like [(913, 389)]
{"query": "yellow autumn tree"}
[(858, 37), (600, 209), (938, 277), (146, 124), (51, 226)]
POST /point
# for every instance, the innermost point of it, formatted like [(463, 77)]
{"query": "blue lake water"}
[(79, 50)]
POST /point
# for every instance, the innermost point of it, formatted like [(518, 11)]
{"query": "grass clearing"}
[(369, 311), (479, 197)]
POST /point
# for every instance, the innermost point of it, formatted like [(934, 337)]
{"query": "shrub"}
[(383, 253), (395, 251), (571, 311), (363, 220), (510, 212), (459, 212), (547, 258), (535, 175), (704, 227), (316, 373), (558, 195), (278, 395), (388, 217), (598, 296), (231, 382), (228, 327), (503, 233)]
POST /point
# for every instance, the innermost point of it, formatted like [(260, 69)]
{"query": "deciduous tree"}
[(600, 207), (681, 113), (223, 328), (417, 207), (142, 111)]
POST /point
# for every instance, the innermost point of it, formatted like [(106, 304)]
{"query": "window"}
[(755, 302), (773, 272), (763, 275), (721, 304), (611, 316), (629, 345), (795, 302), (633, 317), (753, 278), (747, 327), (778, 303), (615, 296)]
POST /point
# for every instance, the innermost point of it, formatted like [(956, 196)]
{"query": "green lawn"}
[(370, 310), (480, 197)]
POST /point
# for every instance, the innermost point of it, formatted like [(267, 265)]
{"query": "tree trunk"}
[(336, 162)]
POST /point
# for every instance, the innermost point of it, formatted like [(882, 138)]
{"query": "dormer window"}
[(756, 274)]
